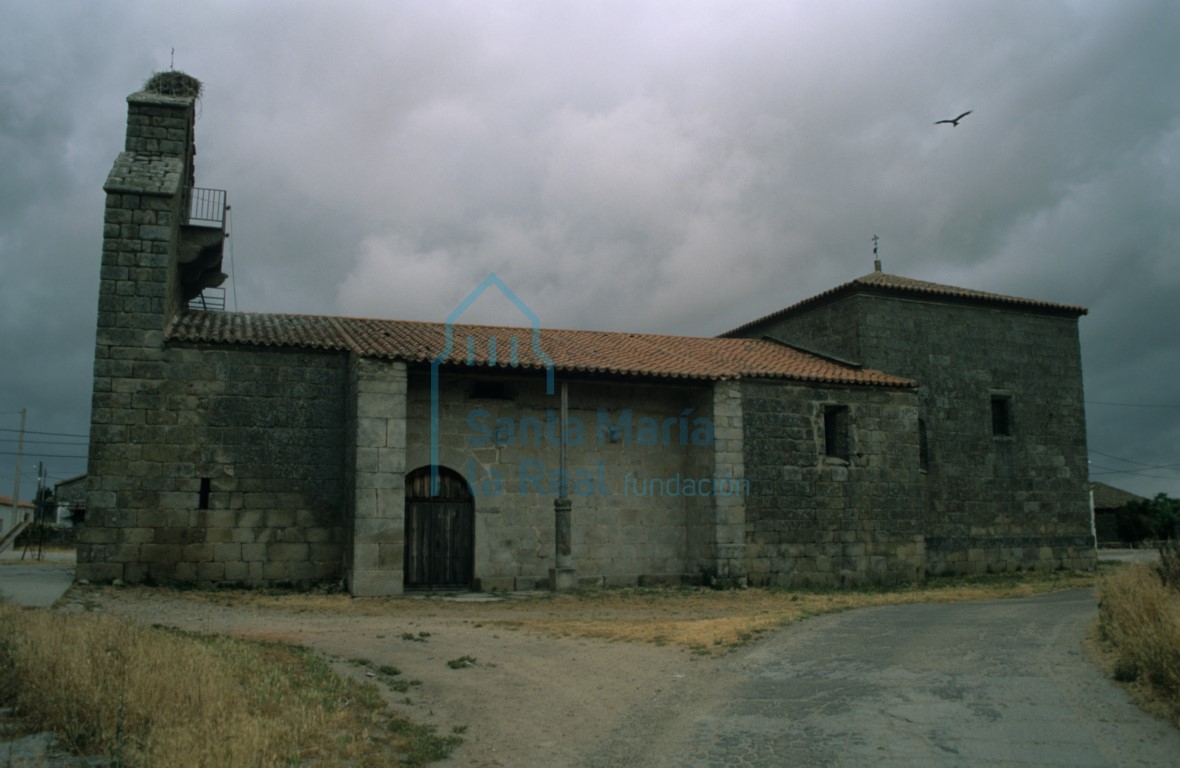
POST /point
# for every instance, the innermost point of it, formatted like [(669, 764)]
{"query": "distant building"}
[(11, 514), (884, 430), (1109, 503), (70, 498)]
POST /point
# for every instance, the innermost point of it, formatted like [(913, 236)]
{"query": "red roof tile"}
[(906, 285), (635, 354)]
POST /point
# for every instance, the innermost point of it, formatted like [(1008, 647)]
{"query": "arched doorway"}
[(440, 531)]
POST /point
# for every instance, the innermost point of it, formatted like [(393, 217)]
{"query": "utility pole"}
[(20, 449), (41, 490), (38, 516)]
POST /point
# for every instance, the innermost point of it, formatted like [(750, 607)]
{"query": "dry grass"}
[(713, 622), (1139, 617), (704, 620), (146, 696)]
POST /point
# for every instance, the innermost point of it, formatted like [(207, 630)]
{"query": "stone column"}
[(563, 576), (729, 508), (377, 475)]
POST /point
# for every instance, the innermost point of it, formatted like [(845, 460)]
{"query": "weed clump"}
[(1139, 616), (462, 662)]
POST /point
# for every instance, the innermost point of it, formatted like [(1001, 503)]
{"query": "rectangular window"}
[(1001, 415), (490, 390), (203, 500), (837, 437)]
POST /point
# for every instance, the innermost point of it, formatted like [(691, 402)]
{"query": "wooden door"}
[(440, 531)]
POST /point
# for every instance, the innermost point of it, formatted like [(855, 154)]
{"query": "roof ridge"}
[(901, 284)]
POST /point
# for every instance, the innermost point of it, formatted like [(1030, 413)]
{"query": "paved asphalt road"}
[(976, 684), (35, 583)]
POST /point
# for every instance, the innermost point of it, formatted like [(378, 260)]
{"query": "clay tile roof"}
[(633, 354), (884, 282)]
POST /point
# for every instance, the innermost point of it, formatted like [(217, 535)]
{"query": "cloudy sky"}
[(674, 167)]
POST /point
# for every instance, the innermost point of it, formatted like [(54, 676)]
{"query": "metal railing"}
[(206, 207), (210, 299)]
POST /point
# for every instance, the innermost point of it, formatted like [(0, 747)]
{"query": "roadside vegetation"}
[(1139, 619), (150, 696), (1149, 520)]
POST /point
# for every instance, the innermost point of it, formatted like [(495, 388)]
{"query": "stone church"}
[(885, 430)]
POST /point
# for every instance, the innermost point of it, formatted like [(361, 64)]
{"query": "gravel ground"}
[(527, 700)]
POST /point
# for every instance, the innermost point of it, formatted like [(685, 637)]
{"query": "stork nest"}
[(173, 83)]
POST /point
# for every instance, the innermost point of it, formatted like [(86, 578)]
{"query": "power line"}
[(42, 442), (1132, 461), (1138, 472), (1131, 405), (51, 434), (42, 455)]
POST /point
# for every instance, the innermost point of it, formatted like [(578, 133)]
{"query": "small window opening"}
[(203, 501), (923, 446), (1001, 415), (837, 440), (490, 390)]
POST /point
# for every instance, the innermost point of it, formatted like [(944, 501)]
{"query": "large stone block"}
[(99, 572), (212, 572), (277, 552), (228, 552), (197, 552), (375, 583), (237, 571), (254, 552)]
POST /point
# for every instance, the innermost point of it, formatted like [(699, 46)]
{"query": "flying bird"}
[(955, 122)]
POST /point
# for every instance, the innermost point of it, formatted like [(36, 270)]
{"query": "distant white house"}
[(11, 514)]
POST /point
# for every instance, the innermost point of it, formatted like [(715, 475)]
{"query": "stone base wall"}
[(947, 556), (814, 519), (217, 466)]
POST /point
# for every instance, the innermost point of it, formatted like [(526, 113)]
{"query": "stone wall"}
[(814, 519), (217, 465), (375, 471), (992, 502), (632, 521)]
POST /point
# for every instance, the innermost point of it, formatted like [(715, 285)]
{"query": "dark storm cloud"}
[(675, 167)]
